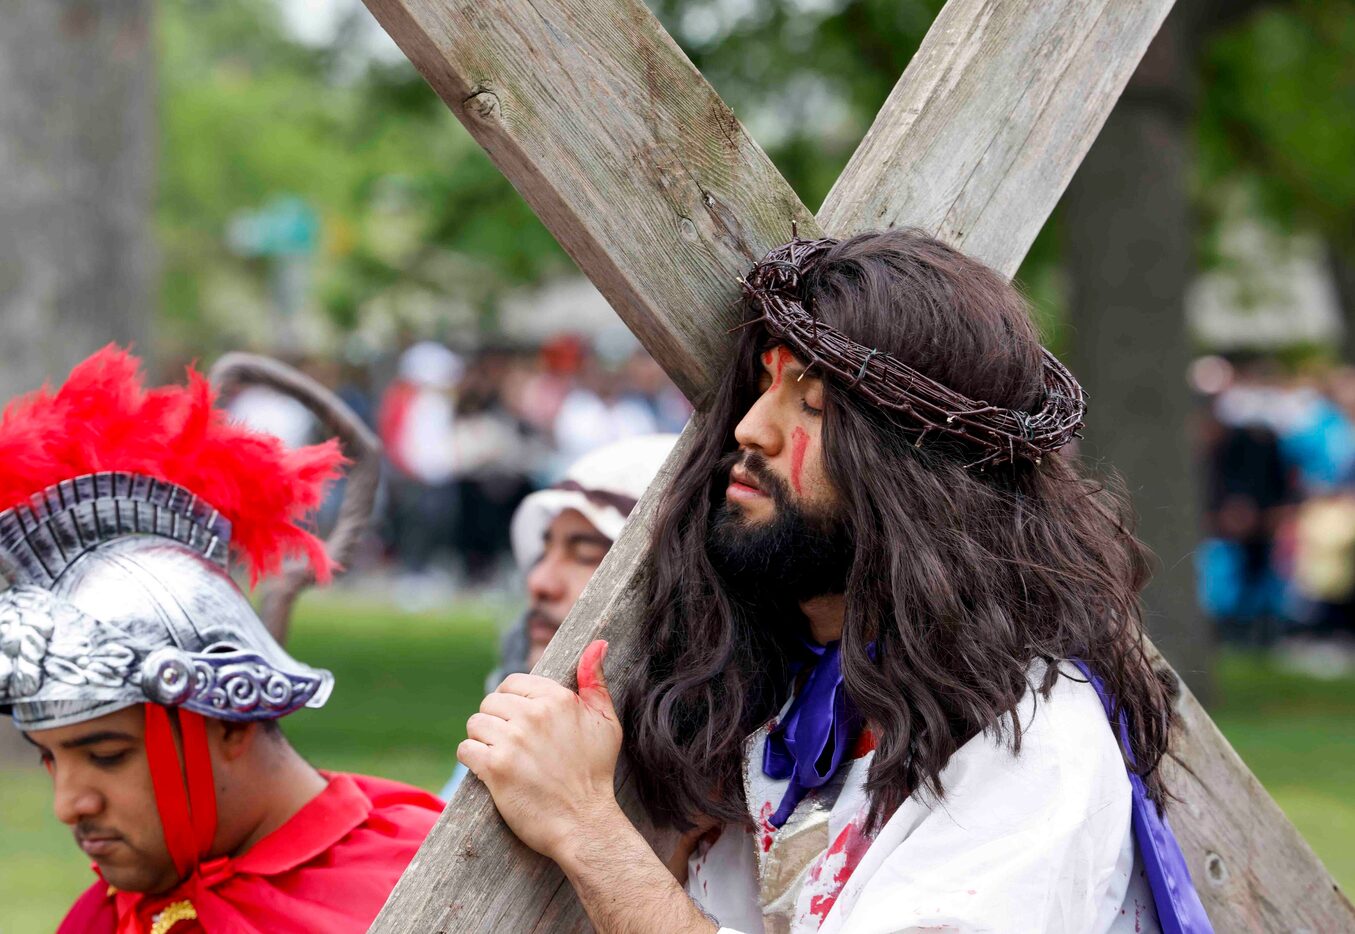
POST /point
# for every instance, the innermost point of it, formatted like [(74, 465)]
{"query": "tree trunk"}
[(1129, 251), (76, 180), (1343, 277)]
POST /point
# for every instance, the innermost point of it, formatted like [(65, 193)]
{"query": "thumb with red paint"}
[(548, 755), (593, 680)]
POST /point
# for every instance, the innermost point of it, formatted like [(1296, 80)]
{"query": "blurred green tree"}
[(1277, 128), (410, 203), (415, 219)]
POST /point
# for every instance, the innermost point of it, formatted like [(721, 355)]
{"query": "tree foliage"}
[(1278, 117), (417, 221), (410, 206)]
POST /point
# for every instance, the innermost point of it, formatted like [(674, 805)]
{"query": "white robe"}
[(1038, 842)]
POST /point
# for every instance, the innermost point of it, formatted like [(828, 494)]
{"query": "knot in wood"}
[(483, 103), (1215, 869)]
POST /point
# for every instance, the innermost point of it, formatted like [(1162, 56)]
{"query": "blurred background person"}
[(265, 409), (1247, 487), (560, 536), (496, 456), (416, 424), (601, 408)]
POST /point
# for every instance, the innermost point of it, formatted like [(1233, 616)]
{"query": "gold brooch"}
[(171, 915)]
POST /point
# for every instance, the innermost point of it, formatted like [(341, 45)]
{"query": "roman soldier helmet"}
[(123, 507)]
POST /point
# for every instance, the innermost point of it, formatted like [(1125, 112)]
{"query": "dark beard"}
[(795, 556)]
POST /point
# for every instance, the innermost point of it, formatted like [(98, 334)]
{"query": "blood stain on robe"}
[(835, 867), (768, 831)]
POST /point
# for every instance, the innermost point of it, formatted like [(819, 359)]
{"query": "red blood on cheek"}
[(799, 444)]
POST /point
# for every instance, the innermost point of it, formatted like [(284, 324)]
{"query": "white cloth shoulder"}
[(1036, 842)]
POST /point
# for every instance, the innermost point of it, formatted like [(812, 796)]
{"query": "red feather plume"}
[(105, 419)]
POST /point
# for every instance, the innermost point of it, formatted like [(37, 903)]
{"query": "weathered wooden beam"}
[(984, 130), (654, 188), (1252, 868), (625, 152), (640, 171)]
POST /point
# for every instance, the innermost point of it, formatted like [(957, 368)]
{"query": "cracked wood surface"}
[(654, 188)]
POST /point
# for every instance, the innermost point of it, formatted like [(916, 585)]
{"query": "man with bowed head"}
[(147, 684), (893, 674)]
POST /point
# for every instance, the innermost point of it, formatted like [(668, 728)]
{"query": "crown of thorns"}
[(774, 291)]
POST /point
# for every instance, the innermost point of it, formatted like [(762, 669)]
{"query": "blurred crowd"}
[(467, 435), (1277, 450)]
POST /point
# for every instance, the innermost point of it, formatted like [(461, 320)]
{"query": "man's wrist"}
[(604, 825), (623, 884)]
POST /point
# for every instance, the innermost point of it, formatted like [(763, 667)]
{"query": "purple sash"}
[(811, 742), (1178, 904)]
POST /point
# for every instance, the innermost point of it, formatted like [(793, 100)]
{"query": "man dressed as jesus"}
[(894, 676)]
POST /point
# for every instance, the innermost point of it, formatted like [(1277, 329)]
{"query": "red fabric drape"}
[(327, 869)]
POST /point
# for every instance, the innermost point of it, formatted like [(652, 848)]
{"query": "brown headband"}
[(773, 289)]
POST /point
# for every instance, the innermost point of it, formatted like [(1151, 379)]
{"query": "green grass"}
[(1298, 736), (405, 685)]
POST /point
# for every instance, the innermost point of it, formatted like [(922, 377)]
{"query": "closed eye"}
[(109, 760)]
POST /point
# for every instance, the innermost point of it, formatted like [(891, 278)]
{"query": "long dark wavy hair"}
[(961, 578)]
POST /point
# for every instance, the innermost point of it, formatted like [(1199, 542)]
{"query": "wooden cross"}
[(654, 188)]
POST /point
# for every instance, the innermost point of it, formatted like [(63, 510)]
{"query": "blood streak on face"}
[(783, 356), (799, 443)]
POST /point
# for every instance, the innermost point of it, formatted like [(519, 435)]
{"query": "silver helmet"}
[(120, 595)]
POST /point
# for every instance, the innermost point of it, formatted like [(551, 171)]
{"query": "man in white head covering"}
[(561, 534)]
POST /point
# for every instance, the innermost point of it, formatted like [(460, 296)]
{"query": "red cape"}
[(328, 869)]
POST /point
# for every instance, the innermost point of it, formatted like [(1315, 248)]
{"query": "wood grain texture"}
[(472, 874), (620, 146), (652, 186), (1252, 868), (990, 120)]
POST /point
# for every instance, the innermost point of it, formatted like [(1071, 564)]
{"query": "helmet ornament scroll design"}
[(224, 682), (46, 643)]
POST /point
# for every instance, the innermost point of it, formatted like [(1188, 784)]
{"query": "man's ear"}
[(237, 739)]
